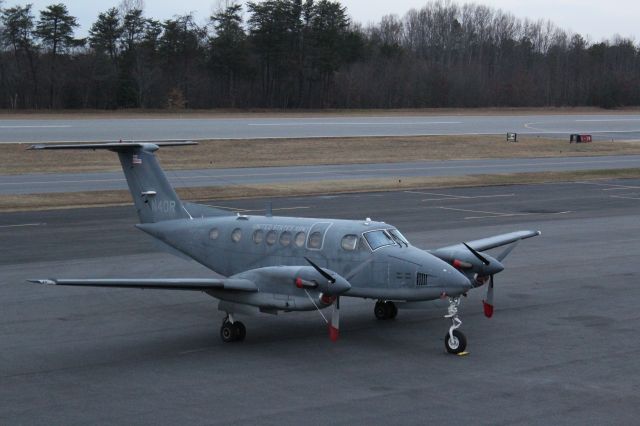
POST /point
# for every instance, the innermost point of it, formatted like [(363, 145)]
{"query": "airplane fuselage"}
[(381, 263)]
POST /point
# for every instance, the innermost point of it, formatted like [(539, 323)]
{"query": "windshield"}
[(398, 237), (377, 239)]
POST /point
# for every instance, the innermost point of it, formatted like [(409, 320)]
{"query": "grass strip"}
[(122, 197)]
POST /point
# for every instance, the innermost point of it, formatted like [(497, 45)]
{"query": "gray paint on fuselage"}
[(391, 275)]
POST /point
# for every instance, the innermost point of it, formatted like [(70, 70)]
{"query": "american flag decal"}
[(136, 160)]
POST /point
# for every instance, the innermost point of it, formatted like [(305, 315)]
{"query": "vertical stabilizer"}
[(153, 196)]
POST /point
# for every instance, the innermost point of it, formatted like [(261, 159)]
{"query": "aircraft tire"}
[(380, 310), (459, 343), (240, 331), (228, 332), (392, 310)]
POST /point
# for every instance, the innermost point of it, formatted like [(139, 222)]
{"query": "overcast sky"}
[(595, 18)]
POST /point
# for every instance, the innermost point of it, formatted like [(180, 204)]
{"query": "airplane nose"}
[(456, 280)]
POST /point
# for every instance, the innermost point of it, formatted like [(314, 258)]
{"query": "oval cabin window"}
[(214, 234), (258, 236), (236, 235), (272, 236), (285, 238), (300, 239)]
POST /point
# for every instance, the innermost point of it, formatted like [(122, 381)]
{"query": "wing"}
[(491, 242), (190, 284)]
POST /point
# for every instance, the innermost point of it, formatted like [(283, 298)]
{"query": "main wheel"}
[(380, 310), (457, 344), (240, 330), (392, 310), (228, 332)]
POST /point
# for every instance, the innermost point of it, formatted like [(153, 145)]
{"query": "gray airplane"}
[(282, 264)]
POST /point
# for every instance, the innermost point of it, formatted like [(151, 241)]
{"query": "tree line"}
[(306, 54)]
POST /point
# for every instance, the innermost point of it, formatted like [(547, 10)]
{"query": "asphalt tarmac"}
[(602, 126), (36, 183), (562, 347)]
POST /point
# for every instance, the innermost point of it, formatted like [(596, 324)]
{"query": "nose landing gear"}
[(454, 341), (231, 330)]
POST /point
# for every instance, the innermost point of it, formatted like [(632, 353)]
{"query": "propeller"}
[(491, 267), (321, 271), (336, 285), (478, 255), (334, 324), (487, 303)]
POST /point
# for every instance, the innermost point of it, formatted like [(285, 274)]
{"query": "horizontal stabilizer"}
[(114, 146), (192, 284)]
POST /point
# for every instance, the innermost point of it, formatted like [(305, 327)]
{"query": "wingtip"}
[(36, 146)]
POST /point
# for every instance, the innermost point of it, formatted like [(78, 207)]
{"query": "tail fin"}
[(153, 196)]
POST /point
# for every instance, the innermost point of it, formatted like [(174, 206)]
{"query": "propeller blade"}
[(334, 325), (506, 252), (488, 302), (321, 271), (478, 255)]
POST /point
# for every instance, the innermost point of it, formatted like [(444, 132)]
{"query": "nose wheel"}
[(232, 331), (385, 310), (454, 341)]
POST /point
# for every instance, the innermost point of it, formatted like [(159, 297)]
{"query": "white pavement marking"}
[(230, 208), (610, 186), (60, 126), (625, 197), (517, 214), (497, 214), (363, 123), (22, 225), (483, 212), (280, 209), (604, 120), (543, 131)]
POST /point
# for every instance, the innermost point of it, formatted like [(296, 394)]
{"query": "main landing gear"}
[(385, 310), (455, 341), (231, 330)]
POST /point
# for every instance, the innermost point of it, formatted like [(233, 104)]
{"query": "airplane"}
[(270, 264)]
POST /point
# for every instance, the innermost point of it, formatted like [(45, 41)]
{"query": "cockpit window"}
[(349, 242), (398, 237), (377, 239)]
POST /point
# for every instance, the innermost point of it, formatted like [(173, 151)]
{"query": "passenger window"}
[(258, 236), (285, 238), (349, 242), (315, 240), (214, 234), (300, 239), (236, 235), (272, 236)]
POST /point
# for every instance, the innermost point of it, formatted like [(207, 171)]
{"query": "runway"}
[(562, 347), (602, 126), (81, 182)]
